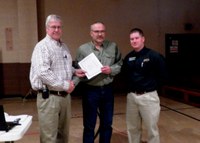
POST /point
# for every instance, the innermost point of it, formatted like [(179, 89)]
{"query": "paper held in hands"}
[(91, 65)]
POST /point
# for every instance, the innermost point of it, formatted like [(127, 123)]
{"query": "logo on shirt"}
[(131, 59), (146, 60)]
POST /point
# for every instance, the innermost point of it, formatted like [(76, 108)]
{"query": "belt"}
[(97, 87), (57, 93), (141, 92)]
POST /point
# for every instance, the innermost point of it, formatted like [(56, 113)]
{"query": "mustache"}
[(100, 37)]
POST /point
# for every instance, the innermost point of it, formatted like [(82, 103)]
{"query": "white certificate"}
[(91, 65)]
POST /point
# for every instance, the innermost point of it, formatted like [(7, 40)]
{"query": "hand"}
[(80, 72), (71, 86), (106, 70)]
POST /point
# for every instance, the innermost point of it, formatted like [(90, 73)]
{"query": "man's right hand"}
[(80, 73), (71, 86)]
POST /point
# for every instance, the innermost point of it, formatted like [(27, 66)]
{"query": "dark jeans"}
[(98, 99)]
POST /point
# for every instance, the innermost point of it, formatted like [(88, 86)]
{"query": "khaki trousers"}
[(145, 109), (54, 115)]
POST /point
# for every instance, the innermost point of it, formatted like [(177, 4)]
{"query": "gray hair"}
[(52, 17)]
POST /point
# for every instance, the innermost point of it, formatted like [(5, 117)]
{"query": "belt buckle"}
[(59, 93)]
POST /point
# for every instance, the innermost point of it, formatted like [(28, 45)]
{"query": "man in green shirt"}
[(98, 92)]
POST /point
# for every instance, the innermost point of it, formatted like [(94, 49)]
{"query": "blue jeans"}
[(98, 99)]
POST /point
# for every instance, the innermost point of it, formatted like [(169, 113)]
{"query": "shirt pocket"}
[(108, 60)]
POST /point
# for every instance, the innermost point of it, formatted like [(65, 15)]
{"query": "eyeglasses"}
[(99, 31), (55, 27)]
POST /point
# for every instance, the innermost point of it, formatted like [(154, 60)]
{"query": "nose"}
[(99, 33)]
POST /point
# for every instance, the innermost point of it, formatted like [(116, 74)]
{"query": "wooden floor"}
[(179, 123)]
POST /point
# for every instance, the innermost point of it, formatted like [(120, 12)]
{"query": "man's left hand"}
[(106, 70)]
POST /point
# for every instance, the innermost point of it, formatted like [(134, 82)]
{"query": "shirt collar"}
[(58, 43), (103, 45)]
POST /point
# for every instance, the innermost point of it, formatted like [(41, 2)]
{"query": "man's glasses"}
[(99, 31), (55, 27)]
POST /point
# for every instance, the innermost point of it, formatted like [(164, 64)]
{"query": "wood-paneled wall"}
[(14, 79)]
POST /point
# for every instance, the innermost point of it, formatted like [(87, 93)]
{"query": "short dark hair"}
[(96, 22), (137, 30)]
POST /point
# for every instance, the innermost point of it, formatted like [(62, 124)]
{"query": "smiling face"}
[(54, 29), (97, 32), (137, 41)]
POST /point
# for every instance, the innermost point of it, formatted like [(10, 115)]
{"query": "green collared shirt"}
[(108, 55)]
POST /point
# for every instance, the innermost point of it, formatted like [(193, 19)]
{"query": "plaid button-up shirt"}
[(51, 65)]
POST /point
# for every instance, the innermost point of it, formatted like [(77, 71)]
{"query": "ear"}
[(47, 29), (91, 33), (143, 39)]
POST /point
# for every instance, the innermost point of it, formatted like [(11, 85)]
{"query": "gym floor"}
[(179, 123)]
